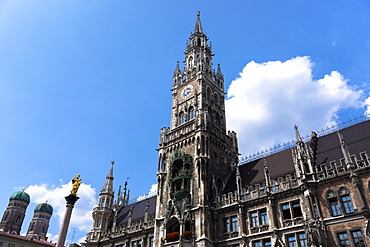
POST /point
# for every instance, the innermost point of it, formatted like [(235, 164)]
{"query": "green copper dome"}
[(44, 208), (21, 196)]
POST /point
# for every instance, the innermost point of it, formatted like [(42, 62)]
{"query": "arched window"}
[(32, 226), (98, 223), (190, 62), (217, 120), (173, 225), (216, 98), (333, 202), (209, 92), (102, 202), (43, 229), (181, 118), (346, 200), (191, 113), (210, 114), (18, 219), (6, 216)]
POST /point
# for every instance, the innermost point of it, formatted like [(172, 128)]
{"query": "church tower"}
[(196, 153), (103, 213), (15, 212), (40, 222)]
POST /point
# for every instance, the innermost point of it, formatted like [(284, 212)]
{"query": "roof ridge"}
[(289, 144)]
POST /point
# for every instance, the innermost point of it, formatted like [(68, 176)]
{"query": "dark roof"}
[(357, 137), (138, 210), (24, 238)]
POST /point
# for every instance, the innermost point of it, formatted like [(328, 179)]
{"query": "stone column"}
[(71, 200)]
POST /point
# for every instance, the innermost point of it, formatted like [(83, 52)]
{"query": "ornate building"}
[(15, 212), (12, 220), (40, 222), (314, 194)]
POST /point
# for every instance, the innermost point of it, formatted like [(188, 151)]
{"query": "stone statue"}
[(76, 182)]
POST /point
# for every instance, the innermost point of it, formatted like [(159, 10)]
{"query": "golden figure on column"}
[(76, 182)]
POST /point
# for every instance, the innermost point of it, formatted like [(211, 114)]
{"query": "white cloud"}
[(152, 192), (367, 104), (268, 99), (81, 214)]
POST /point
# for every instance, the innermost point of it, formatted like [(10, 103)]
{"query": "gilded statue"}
[(76, 182)]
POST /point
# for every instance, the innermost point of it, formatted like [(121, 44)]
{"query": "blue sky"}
[(85, 82)]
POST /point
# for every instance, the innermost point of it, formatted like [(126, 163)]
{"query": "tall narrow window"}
[(254, 219), (347, 204), (297, 212), (234, 224), (182, 118), (32, 226), (334, 206), (227, 225), (151, 242), (343, 239), (286, 211), (302, 238), (191, 113), (98, 223), (346, 200), (6, 216), (264, 217), (291, 241)]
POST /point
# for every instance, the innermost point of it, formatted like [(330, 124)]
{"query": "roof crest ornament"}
[(198, 25)]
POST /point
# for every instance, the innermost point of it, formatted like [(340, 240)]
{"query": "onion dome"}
[(20, 196), (44, 208)]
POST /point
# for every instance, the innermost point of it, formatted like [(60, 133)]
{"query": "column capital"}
[(71, 199)]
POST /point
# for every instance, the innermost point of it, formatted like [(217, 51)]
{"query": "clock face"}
[(186, 92)]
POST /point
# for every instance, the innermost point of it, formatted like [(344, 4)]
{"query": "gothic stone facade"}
[(314, 194)]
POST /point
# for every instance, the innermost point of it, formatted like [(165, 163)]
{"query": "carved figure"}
[(76, 182)]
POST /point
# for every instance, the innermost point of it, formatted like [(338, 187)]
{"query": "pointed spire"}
[(345, 151), (267, 174), (108, 186), (219, 69), (297, 135), (198, 25), (177, 67)]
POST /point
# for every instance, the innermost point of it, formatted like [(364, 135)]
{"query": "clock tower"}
[(196, 153)]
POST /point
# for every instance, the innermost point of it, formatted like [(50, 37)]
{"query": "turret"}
[(40, 222), (15, 212), (302, 158), (103, 213)]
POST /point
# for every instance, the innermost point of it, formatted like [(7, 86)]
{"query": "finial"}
[(219, 69), (177, 67), (265, 164), (198, 26), (297, 135), (113, 162)]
